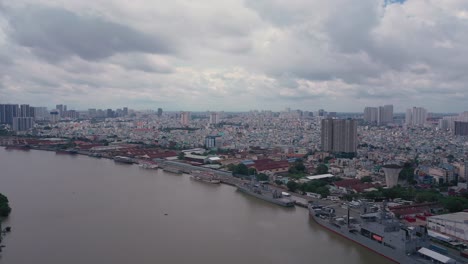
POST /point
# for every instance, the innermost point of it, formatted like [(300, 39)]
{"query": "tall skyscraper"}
[(461, 128), (160, 111), (327, 134), (26, 111), (409, 117), (370, 114), (381, 115), (41, 113), (22, 123), (416, 116), (214, 118), (8, 112), (339, 135), (185, 118), (62, 109), (388, 114)]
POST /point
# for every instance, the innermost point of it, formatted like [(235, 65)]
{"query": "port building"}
[(454, 225)]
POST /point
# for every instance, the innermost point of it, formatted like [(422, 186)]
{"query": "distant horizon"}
[(226, 111)]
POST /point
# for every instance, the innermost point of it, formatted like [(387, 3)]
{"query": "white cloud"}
[(235, 55)]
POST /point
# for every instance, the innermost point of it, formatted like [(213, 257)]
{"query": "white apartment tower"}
[(381, 115), (416, 116)]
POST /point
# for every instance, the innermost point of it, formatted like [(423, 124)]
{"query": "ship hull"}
[(265, 198), (205, 180)]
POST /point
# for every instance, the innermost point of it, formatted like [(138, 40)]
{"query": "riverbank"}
[(89, 209), (225, 177)]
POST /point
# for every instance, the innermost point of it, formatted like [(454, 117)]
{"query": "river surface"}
[(77, 209)]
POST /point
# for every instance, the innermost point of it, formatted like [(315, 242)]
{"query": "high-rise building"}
[(388, 114), (125, 111), (214, 118), (8, 112), (416, 116), (409, 117), (185, 118), (110, 113), (381, 115), (461, 128), (327, 134), (54, 116), (23, 123), (465, 170), (339, 135), (26, 111), (160, 111), (92, 112), (210, 142), (41, 113), (60, 108), (370, 114)]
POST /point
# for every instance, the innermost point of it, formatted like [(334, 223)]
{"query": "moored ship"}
[(122, 159), (148, 166), (382, 233), (18, 147), (204, 176), (67, 151), (172, 170), (264, 192)]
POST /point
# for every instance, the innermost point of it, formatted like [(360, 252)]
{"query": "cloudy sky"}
[(340, 55)]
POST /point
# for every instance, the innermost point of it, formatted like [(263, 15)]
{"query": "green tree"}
[(292, 186), (278, 182), (454, 204), (231, 167), (407, 173), (262, 177), (324, 191), (4, 206), (251, 171), (321, 169), (241, 169), (366, 179), (181, 156)]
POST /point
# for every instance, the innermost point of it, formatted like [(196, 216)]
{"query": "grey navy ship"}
[(382, 233), (264, 192)]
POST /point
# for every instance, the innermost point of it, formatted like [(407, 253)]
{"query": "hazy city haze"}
[(235, 55)]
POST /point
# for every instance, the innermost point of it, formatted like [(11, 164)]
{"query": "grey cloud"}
[(55, 34), (141, 62)]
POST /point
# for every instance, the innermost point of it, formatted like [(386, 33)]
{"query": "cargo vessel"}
[(380, 232), (264, 192), (204, 176)]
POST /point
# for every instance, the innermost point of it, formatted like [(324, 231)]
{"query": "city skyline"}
[(235, 55)]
